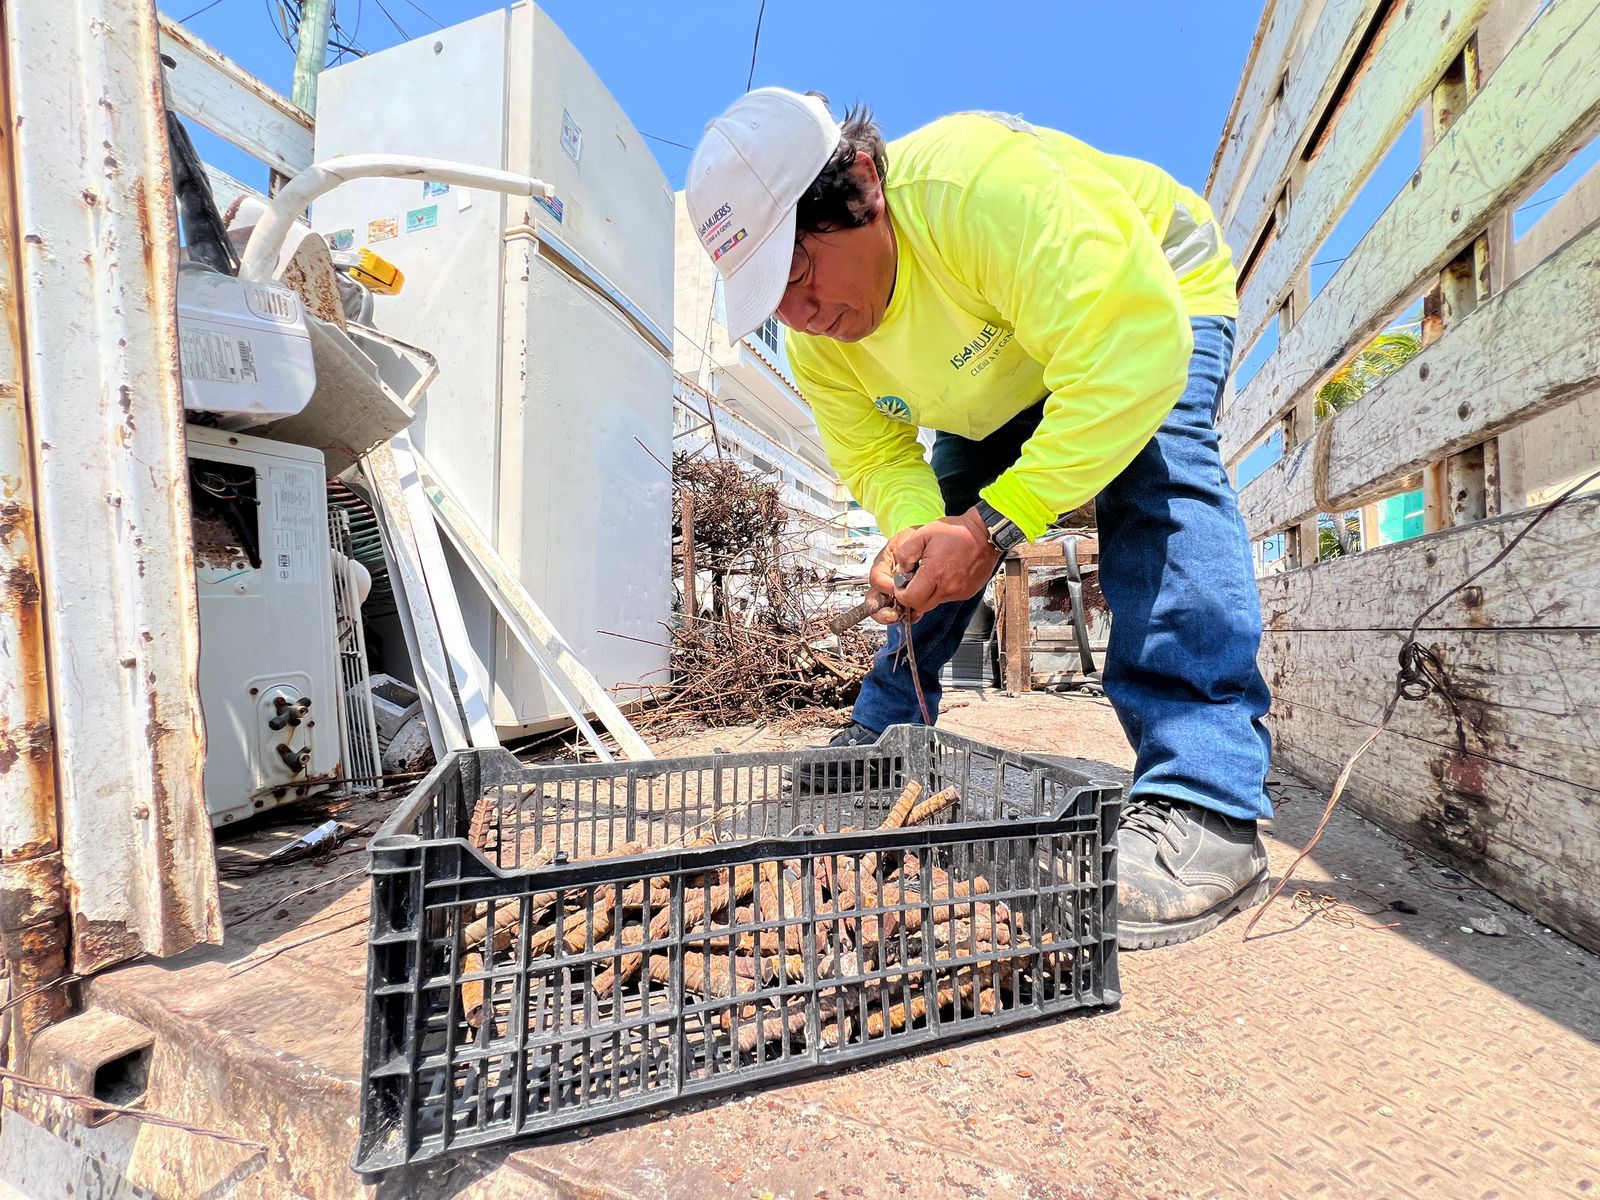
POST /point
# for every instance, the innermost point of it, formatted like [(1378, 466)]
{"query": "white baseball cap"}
[(752, 166)]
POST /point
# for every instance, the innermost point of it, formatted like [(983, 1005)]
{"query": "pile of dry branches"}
[(751, 642), (746, 934)]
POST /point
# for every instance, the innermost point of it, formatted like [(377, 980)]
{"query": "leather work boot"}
[(1181, 870), (828, 778)]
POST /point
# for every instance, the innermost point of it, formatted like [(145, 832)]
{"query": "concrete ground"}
[(1348, 1049)]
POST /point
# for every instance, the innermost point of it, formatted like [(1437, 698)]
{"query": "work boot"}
[(1181, 870), (827, 778)]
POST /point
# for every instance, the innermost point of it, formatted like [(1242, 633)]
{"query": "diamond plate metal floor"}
[(1337, 1054)]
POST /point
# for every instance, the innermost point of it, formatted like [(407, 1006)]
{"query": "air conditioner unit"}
[(270, 686)]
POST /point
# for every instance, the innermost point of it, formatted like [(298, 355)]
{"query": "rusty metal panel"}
[(32, 896), (97, 243)]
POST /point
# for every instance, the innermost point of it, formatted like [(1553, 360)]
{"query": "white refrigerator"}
[(552, 414)]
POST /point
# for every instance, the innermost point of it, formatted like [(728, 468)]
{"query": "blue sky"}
[(1150, 78)]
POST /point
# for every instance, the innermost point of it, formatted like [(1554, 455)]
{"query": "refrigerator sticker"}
[(217, 357), (341, 239), (571, 136), (383, 229), (432, 188), (553, 206), (294, 523), (422, 218)]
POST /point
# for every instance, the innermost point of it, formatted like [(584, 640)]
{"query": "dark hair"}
[(836, 199)]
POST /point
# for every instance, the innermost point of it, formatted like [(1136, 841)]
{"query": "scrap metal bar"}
[(447, 727), (452, 627), (33, 895), (557, 663), (97, 248)]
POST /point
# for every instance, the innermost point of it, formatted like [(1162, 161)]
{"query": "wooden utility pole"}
[(316, 19)]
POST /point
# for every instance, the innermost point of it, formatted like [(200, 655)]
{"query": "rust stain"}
[(21, 587), (1462, 817), (32, 741), (31, 890), (14, 517), (97, 944)]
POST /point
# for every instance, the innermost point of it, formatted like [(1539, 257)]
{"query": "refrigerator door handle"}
[(580, 269)]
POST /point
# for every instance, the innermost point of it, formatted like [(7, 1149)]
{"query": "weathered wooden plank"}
[(1427, 35), (1530, 839), (1053, 551), (1497, 149), (1550, 581), (1563, 221), (1529, 698), (1015, 630), (1541, 100), (1521, 353), (212, 89), (225, 189), (1255, 100), (1313, 80), (1537, 456)]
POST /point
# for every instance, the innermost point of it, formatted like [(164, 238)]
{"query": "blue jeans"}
[(1177, 574)]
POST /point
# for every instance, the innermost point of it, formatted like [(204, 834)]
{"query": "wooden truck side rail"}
[(1508, 92)]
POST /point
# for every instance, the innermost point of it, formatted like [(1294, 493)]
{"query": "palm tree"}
[(1382, 356)]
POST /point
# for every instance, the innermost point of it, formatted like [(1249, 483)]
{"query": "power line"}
[(668, 141), (392, 21), (280, 21), (437, 23), (756, 45), (204, 9)]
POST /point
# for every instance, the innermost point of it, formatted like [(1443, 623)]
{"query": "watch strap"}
[(1004, 533)]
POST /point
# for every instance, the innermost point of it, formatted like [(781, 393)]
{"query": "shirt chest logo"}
[(980, 352), (894, 408)]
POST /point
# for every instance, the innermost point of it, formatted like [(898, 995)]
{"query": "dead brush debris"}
[(750, 643), (738, 939)]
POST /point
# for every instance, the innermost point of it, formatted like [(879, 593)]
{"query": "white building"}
[(759, 414)]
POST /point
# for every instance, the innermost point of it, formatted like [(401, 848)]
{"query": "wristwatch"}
[(1004, 533)]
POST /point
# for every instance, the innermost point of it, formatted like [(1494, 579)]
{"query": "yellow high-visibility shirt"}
[(1031, 266)]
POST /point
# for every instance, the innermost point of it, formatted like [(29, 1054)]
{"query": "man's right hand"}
[(884, 568)]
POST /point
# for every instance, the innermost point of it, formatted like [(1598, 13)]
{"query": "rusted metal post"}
[(1302, 541), (33, 899), (94, 298), (1465, 487), (691, 609)]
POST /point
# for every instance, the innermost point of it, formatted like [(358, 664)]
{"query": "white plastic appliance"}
[(269, 666), (244, 348), (551, 320)]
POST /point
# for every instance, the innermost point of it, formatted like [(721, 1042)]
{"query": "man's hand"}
[(948, 559)]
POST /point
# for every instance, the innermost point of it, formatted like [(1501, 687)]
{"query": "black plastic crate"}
[(1001, 909)]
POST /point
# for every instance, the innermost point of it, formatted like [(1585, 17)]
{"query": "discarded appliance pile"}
[(752, 642)]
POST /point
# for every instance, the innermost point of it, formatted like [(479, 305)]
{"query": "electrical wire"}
[(204, 9), (438, 24), (279, 19), (667, 141), (1421, 674), (390, 17), (756, 45)]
